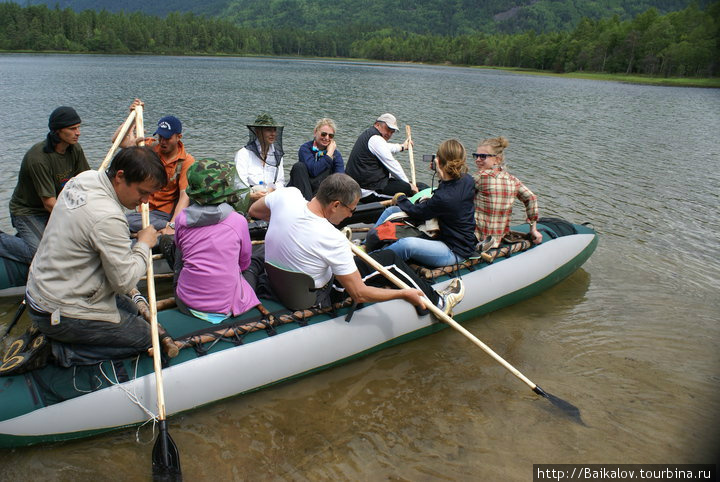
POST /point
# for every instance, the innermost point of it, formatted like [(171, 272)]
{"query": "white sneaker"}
[(451, 295)]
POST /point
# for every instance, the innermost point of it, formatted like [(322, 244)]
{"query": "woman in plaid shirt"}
[(496, 190)]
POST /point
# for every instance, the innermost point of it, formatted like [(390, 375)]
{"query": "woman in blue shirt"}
[(317, 159)]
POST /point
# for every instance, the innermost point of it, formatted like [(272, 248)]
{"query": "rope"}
[(133, 398)]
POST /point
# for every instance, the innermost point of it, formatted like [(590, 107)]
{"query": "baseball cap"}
[(390, 120), (167, 126)]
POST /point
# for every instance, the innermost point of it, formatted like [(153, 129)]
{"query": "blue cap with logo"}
[(167, 126)]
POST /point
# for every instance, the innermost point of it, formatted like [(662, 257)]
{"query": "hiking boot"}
[(451, 295)]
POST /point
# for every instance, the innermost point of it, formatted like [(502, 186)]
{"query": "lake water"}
[(631, 338)]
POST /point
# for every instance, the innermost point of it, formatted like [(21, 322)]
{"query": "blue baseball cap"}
[(167, 126)]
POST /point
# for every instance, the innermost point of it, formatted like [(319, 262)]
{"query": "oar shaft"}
[(15, 319), (442, 316), (408, 133), (121, 135), (140, 125), (154, 332)]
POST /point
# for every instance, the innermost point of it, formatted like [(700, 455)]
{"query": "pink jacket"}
[(214, 256)]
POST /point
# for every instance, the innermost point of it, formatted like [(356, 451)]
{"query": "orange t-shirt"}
[(165, 198)]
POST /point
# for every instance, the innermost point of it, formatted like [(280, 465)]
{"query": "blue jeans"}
[(428, 252), (86, 342), (159, 219), (22, 246)]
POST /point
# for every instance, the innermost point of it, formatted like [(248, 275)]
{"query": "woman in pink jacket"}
[(214, 244)]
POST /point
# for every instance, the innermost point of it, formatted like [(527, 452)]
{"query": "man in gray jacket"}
[(85, 263)]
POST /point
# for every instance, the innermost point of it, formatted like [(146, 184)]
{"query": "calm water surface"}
[(631, 338)]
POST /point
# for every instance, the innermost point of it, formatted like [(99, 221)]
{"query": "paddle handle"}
[(441, 315), (121, 135), (408, 133)]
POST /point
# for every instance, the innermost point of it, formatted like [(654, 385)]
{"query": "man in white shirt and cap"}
[(372, 165)]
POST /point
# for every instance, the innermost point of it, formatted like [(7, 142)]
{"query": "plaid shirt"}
[(496, 190)]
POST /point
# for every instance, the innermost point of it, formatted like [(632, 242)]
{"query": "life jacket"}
[(397, 226)]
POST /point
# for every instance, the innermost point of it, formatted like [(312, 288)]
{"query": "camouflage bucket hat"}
[(216, 182), (264, 120)]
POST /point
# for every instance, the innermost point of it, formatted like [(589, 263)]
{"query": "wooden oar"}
[(408, 134), (165, 455), (18, 314), (568, 408), (121, 135)]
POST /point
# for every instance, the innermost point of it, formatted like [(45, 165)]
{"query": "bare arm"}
[(49, 203), (183, 202), (259, 210), (361, 293)]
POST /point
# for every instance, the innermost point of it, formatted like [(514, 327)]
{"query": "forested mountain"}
[(437, 17), (684, 43)]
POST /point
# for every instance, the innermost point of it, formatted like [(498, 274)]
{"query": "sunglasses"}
[(327, 134), (482, 157)]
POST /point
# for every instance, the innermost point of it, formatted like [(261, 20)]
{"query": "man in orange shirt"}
[(166, 203)]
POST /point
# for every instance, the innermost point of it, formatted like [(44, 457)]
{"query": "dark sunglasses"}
[(327, 134), (477, 155)]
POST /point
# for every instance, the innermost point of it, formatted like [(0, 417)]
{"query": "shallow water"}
[(631, 338)]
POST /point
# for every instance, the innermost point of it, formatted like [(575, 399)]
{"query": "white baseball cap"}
[(390, 120)]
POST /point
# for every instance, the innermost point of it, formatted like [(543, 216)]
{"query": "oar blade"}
[(565, 407), (165, 457)]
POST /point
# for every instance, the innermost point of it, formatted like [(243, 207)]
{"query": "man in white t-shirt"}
[(301, 237)]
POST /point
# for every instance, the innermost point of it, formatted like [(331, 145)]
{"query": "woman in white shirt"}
[(260, 163)]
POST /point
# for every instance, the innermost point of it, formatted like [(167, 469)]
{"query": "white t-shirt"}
[(301, 241), (251, 169)]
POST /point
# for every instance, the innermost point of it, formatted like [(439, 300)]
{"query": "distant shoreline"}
[(699, 82)]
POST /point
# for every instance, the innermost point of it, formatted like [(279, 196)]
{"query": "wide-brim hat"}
[(264, 120)]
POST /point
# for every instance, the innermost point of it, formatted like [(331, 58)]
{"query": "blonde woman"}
[(317, 159), (451, 203), (496, 190)]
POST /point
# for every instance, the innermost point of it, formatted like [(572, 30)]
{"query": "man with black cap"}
[(45, 169), (166, 203), (372, 165)]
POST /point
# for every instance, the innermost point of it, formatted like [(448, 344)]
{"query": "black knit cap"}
[(63, 116)]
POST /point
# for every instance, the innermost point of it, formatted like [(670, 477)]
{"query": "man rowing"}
[(372, 165), (166, 203), (45, 169), (85, 263), (301, 237)]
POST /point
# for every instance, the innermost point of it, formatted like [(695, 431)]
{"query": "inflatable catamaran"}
[(53, 404)]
